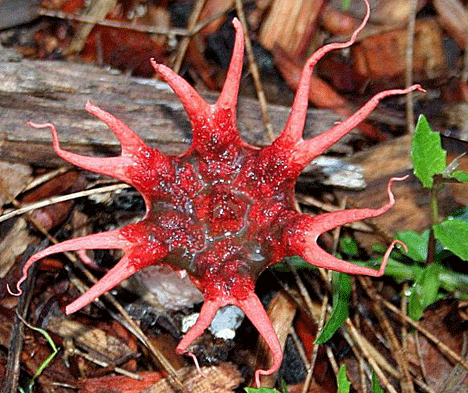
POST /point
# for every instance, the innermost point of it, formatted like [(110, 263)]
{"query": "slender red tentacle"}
[(207, 313), (105, 240), (305, 151), (253, 309), (130, 141), (196, 107), (110, 166), (125, 268), (292, 132), (227, 100)]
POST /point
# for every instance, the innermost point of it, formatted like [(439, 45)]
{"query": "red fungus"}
[(223, 211)]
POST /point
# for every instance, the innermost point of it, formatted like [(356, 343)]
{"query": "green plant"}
[(445, 238), (46, 362)]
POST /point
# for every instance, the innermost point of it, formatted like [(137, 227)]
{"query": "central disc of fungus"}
[(223, 211)]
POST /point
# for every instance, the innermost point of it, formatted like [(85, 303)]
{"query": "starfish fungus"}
[(224, 210)]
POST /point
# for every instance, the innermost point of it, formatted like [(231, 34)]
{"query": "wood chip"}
[(13, 244), (13, 179), (382, 57)]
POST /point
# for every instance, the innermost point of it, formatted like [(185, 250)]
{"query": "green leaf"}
[(342, 380), (341, 295), (47, 361), (376, 388), (461, 176), (427, 154), (453, 234), (416, 243), (349, 246), (424, 291), (402, 272), (261, 390), (345, 4)]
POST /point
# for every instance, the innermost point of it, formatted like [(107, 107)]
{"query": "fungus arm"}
[(106, 240), (301, 237), (253, 309), (305, 151), (134, 153)]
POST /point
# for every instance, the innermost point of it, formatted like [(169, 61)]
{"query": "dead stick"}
[(184, 43), (98, 10), (439, 344), (406, 380), (378, 371), (255, 73)]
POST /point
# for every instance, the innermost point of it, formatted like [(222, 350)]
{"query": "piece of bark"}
[(381, 58), (119, 383), (44, 91), (298, 21), (13, 179)]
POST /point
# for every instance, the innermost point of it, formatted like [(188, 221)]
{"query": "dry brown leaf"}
[(223, 378), (443, 320), (93, 339)]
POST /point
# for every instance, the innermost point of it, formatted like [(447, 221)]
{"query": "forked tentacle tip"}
[(389, 250), (52, 129), (158, 67), (401, 243), (89, 106), (389, 187), (197, 365), (39, 125), (399, 178), (236, 23), (153, 62), (10, 291), (418, 87), (261, 372)]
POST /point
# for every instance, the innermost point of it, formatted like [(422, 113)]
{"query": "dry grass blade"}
[(98, 10), (62, 198), (255, 73), (440, 345), (174, 31), (186, 40), (406, 379), (409, 66)]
